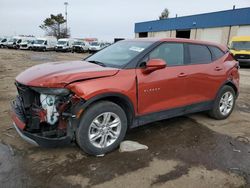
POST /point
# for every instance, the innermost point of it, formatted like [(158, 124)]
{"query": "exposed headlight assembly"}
[(52, 91)]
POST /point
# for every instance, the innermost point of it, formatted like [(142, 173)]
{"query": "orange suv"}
[(128, 84)]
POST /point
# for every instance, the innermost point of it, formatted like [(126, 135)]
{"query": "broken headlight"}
[(52, 91)]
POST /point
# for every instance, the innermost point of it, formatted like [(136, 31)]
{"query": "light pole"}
[(66, 16)]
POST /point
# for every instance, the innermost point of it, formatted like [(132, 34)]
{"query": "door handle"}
[(182, 74), (218, 69)]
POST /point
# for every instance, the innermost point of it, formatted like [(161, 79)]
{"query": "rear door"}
[(165, 88), (205, 72)]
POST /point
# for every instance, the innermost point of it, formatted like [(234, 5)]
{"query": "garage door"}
[(212, 34), (244, 31)]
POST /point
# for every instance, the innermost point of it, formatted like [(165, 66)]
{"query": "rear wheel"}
[(102, 128), (224, 103)]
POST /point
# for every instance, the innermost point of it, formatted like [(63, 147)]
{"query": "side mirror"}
[(153, 65)]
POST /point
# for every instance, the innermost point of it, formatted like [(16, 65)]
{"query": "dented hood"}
[(59, 74)]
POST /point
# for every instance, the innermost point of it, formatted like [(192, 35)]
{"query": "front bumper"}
[(244, 61), (23, 136), (34, 138), (78, 49), (38, 48), (58, 49)]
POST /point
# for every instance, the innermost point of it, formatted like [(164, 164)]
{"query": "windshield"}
[(39, 41), (4, 40), (27, 41), (241, 45), (13, 40), (30, 41), (94, 44), (62, 42), (78, 43), (120, 53)]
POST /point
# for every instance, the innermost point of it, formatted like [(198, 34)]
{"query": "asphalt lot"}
[(190, 151)]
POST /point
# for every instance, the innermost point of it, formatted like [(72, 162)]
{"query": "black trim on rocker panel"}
[(166, 114)]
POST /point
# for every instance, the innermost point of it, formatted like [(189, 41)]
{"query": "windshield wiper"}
[(98, 63)]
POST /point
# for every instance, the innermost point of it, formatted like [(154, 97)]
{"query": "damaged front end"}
[(45, 116)]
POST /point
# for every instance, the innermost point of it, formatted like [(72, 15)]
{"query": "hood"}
[(61, 45), (59, 74), (238, 52), (38, 45)]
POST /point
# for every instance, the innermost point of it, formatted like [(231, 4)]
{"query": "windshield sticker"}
[(136, 49)]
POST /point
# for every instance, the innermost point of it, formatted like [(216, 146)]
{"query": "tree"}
[(55, 26), (164, 14)]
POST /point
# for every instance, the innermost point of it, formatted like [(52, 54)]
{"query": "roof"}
[(208, 20), (182, 40), (241, 38)]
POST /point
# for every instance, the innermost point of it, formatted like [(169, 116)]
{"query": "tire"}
[(216, 111), (87, 128)]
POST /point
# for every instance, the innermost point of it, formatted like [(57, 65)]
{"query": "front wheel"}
[(223, 104), (102, 127)]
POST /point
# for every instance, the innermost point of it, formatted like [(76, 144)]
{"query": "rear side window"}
[(172, 53), (216, 52), (199, 54)]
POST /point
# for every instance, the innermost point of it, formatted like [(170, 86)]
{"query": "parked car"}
[(128, 84), (80, 46), (64, 45), (96, 46), (3, 42), (44, 44), (240, 48), (27, 44)]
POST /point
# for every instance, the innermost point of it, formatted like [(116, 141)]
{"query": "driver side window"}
[(171, 53)]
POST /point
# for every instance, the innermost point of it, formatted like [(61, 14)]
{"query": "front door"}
[(165, 88)]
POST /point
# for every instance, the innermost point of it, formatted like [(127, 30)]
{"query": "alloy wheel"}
[(104, 130), (226, 103)]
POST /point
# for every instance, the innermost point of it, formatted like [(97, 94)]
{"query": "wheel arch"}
[(231, 84), (122, 100)]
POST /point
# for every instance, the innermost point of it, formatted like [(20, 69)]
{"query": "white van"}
[(80, 46), (65, 45), (14, 42), (45, 43), (27, 43), (96, 46), (3, 42)]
